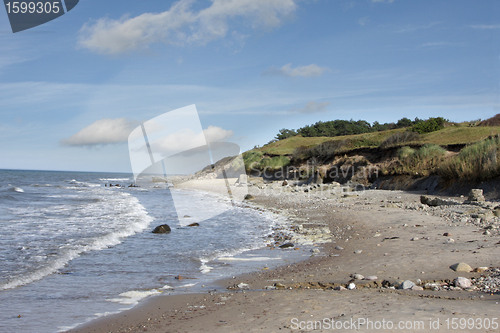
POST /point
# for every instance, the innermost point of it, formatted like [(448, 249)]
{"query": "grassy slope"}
[(461, 134)]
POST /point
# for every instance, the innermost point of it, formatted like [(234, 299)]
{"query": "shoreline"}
[(366, 227)]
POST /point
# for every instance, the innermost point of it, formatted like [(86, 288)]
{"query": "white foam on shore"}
[(188, 285), (248, 259), (134, 296)]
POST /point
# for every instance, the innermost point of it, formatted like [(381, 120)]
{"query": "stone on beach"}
[(461, 267), (358, 251), (407, 284), (162, 229), (371, 278), (351, 286), (193, 225), (339, 248), (249, 197), (462, 282), (476, 195), (481, 269), (357, 276), (286, 245)]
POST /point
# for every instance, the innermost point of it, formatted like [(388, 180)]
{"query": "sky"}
[(73, 89)]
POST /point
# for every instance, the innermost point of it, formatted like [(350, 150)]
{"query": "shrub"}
[(252, 158), (478, 161), (399, 138), (422, 161), (301, 153), (429, 125)]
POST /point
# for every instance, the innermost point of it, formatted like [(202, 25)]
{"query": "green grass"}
[(456, 134), (479, 162), (422, 161), (257, 161)]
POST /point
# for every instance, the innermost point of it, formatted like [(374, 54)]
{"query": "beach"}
[(378, 240)]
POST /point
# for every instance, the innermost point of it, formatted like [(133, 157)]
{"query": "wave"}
[(138, 220), (16, 189), (114, 179)]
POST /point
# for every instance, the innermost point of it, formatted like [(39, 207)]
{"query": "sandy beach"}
[(378, 240)]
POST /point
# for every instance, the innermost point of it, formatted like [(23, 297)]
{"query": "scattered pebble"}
[(351, 286), (461, 267), (407, 285)]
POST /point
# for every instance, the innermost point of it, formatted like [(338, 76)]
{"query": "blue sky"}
[(251, 67)]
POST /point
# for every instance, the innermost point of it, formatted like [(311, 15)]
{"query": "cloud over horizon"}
[(102, 132), (312, 107), (178, 141), (113, 131), (303, 71), (182, 25)]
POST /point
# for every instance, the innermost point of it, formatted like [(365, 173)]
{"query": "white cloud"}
[(178, 141), (486, 26), (363, 21), (433, 44), (181, 24), (412, 27), (304, 71), (312, 107), (102, 132)]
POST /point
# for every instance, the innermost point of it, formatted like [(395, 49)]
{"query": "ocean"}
[(73, 249)]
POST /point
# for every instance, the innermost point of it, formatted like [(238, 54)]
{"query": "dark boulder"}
[(194, 225), (162, 229), (284, 246)]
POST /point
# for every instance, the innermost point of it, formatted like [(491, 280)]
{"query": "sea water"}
[(73, 249)]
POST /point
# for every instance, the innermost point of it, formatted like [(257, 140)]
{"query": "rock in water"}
[(193, 225), (284, 246), (462, 282), (476, 195), (461, 267), (162, 229), (407, 285)]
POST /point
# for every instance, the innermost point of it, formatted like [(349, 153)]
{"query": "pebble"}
[(340, 288), (407, 285), (351, 286), (371, 278), (243, 286), (314, 250), (357, 276), (450, 241), (416, 288), (462, 282), (414, 238), (358, 251), (461, 267), (339, 248), (481, 269)]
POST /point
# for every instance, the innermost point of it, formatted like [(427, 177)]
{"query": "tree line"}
[(348, 127)]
